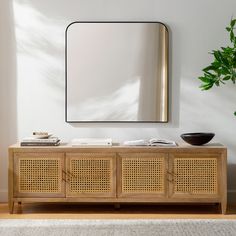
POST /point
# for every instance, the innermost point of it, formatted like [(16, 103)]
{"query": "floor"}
[(95, 211)]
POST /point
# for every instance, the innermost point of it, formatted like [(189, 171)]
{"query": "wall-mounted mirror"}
[(116, 72)]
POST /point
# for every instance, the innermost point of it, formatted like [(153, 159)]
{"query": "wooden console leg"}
[(218, 205), (19, 209), (10, 181), (224, 207), (11, 207)]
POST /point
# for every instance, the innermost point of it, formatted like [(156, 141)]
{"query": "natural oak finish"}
[(91, 175), (107, 211), (194, 175), (142, 175), (39, 175), (183, 174)]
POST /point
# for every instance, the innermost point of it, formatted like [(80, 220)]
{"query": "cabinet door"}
[(91, 175), (142, 175), (38, 175), (194, 175)]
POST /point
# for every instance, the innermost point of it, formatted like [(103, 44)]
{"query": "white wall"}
[(37, 75), (8, 114)]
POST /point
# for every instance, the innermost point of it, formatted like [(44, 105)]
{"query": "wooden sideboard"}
[(118, 174)]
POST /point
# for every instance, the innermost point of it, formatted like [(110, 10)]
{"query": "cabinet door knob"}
[(71, 175), (64, 176), (64, 180)]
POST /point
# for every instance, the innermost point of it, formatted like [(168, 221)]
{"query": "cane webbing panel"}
[(90, 175), (40, 175), (195, 175), (143, 174)]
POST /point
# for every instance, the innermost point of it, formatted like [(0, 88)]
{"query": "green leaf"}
[(209, 75), (206, 86), (227, 77), (227, 50), (211, 67), (224, 70), (222, 57), (232, 36), (232, 23), (224, 60), (205, 79), (223, 67), (217, 55), (216, 64)]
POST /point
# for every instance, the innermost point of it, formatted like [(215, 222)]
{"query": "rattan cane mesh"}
[(40, 175), (143, 174), (90, 175), (195, 175)]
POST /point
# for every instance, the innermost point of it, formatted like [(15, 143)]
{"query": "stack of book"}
[(40, 139)]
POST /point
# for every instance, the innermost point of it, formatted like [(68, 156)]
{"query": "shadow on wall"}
[(8, 115), (40, 40), (45, 45), (40, 37)]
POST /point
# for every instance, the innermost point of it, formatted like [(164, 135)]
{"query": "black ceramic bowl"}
[(197, 138)]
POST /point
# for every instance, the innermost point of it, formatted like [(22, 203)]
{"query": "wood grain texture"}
[(223, 184), (104, 172), (66, 147), (10, 180), (142, 175), (108, 211), (91, 175), (39, 175), (195, 175)]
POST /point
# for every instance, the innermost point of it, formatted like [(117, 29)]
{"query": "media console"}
[(118, 174)]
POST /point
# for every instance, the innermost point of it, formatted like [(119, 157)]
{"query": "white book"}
[(138, 142), (40, 140), (151, 142), (91, 142), (162, 142)]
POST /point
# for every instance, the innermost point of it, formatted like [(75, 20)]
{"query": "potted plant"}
[(223, 67)]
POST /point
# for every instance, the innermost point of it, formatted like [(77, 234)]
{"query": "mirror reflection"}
[(116, 72)]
